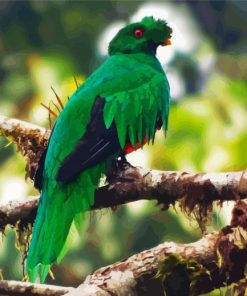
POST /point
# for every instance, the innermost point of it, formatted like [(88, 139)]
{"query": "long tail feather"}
[(60, 207)]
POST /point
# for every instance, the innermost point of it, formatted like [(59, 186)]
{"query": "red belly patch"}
[(129, 148)]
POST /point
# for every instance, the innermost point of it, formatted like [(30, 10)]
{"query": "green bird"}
[(117, 110)]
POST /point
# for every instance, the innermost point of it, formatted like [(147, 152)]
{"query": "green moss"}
[(181, 276)]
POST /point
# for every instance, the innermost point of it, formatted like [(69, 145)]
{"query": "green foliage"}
[(195, 142), (231, 290)]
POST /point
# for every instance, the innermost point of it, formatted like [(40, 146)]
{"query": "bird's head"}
[(144, 36)]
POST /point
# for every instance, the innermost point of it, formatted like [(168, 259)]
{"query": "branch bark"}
[(15, 211), (223, 254), (128, 276), (132, 184), (135, 275), (14, 288), (31, 140)]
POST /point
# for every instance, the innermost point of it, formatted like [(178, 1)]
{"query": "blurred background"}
[(48, 43)]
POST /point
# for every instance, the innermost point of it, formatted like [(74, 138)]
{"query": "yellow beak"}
[(167, 42)]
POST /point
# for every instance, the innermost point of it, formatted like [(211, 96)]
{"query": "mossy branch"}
[(222, 255), (195, 192)]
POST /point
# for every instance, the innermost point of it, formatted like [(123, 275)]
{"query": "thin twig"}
[(58, 98), (50, 110)]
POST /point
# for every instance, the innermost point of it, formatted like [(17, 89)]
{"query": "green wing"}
[(136, 110)]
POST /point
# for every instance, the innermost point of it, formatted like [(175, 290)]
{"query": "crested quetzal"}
[(116, 110)]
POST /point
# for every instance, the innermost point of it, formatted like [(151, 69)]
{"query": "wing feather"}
[(96, 145), (137, 116)]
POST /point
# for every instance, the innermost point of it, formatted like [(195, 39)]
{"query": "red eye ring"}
[(138, 33)]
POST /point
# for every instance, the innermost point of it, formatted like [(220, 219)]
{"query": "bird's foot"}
[(122, 163), (118, 168)]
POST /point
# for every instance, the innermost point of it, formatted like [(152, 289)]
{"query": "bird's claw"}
[(117, 168)]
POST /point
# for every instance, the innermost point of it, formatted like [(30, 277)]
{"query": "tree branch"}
[(16, 130), (14, 288), (223, 254), (194, 191), (123, 277), (31, 140), (132, 184), (15, 211)]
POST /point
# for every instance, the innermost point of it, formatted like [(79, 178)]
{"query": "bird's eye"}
[(138, 33)]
